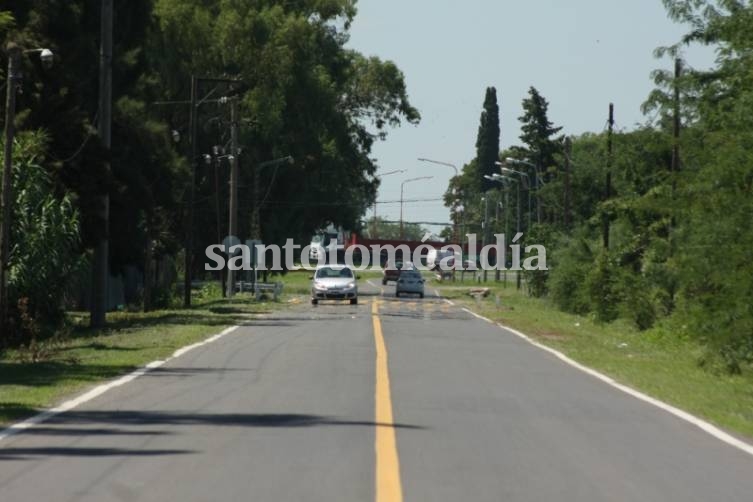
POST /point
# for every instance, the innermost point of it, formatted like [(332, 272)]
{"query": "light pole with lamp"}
[(499, 178), (485, 228), (257, 205), (402, 185), (538, 181), (214, 159), (454, 168), (396, 171), (15, 78), (508, 171), (448, 164)]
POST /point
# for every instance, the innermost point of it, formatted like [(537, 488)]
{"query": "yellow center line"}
[(388, 486)]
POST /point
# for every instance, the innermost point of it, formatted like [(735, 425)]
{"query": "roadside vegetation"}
[(300, 92), (649, 227), (36, 377), (655, 361)]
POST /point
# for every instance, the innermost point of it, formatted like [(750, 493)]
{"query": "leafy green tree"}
[(307, 96), (712, 238)]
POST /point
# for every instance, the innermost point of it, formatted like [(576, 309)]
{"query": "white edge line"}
[(683, 415), (101, 389), (477, 316)]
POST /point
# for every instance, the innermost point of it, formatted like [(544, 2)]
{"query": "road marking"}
[(388, 486), (101, 389), (477, 316), (683, 415)]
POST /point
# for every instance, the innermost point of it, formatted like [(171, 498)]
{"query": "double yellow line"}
[(388, 485)]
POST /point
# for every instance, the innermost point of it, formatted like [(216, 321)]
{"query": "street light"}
[(539, 180), (509, 171), (257, 203), (448, 164), (501, 179), (539, 177), (455, 168), (256, 217), (402, 185), (15, 78), (389, 173)]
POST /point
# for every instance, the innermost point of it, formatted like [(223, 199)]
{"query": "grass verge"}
[(88, 357), (656, 362)]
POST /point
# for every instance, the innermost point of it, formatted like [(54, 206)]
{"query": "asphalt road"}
[(390, 398)]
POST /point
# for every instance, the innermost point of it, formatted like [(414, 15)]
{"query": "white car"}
[(334, 282)]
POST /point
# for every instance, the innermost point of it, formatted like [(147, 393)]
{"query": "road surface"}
[(389, 400)]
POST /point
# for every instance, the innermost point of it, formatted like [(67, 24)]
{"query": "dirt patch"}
[(552, 336)]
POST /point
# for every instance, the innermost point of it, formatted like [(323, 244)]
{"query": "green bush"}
[(571, 262), (44, 245), (638, 299), (537, 281), (602, 287)]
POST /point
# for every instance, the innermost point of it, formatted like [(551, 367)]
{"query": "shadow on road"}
[(89, 424), (28, 453), (139, 418)]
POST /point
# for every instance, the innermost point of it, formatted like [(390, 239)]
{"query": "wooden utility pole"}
[(567, 202), (233, 224), (6, 197), (188, 263), (676, 120), (608, 187), (101, 268)]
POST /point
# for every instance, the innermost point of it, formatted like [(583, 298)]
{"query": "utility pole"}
[(233, 226), (537, 184), (218, 211), (101, 268), (14, 80), (676, 120), (193, 119), (608, 187), (568, 151), (496, 224), (485, 232), (519, 181), (507, 224)]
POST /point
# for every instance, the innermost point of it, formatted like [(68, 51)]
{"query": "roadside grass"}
[(131, 339), (656, 362)]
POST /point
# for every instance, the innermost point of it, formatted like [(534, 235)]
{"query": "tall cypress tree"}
[(487, 141)]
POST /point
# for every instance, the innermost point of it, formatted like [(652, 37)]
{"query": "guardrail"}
[(259, 288)]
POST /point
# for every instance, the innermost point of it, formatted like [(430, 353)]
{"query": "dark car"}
[(391, 272)]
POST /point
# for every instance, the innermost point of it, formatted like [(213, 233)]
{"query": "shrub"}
[(44, 244)]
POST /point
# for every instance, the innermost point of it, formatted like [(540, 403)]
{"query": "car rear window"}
[(409, 274), (329, 272)]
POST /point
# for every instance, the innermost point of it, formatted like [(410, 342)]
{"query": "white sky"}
[(580, 54)]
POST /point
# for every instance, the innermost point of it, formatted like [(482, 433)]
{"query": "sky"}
[(580, 54)]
